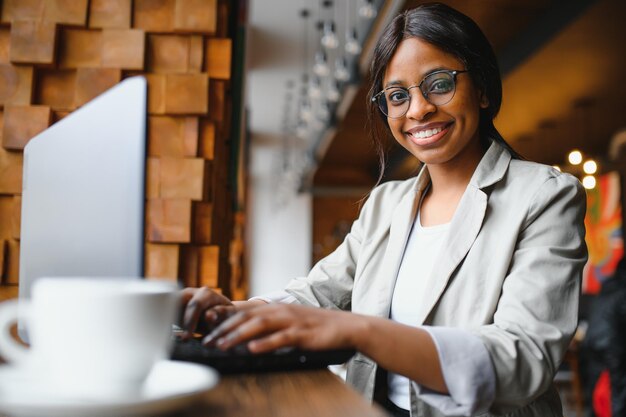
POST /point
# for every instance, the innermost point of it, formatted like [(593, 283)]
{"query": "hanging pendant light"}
[(329, 37), (333, 95), (367, 10), (320, 66), (306, 112), (324, 112), (341, 70), (353, 47), (315, 88)]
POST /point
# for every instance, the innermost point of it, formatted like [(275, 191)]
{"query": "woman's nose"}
[(419, 107)]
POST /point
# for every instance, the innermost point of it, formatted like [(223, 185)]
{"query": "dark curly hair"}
[(452, 32)]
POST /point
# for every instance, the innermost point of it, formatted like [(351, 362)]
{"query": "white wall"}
[(279, 237)]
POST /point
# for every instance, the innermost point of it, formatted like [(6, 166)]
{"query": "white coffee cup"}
[(92, 337)]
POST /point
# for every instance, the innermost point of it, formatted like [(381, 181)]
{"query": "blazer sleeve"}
[(537, 312)]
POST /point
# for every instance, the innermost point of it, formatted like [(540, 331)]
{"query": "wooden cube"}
[(207, 139), (68, 12), (154, 15), (218, 58), (195, 16), (56, 88), (187, 93), (190, 136), (172, 136), (168, 53), (196, 53), (6, 217), (209, 257), (182, 178), (32, 42), (91, 82), (22, 123), (169, 221), (12, 262), (189, 265), (156, 93), (16, 218), (2, 256), (162, 261), (217, 101), (16, 84), (22, 10), (110, 14), (10, 172), (164, 138), (203, 222), (9, 292), (123, 48), (80, 48), (153, 178), (5, 44)]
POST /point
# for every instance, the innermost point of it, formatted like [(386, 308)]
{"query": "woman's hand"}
[(274, 326), (203, 309)]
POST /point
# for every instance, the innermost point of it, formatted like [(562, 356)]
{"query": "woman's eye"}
[(397, 96), (441, 86)]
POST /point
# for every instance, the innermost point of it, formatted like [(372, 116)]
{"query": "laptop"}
[(83, 214)]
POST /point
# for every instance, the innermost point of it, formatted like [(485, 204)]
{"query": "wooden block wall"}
[(56, 55)]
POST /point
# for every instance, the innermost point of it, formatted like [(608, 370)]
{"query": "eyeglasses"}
[(438, 88)]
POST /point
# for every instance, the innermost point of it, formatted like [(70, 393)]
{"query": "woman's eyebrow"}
[(393, 83), (426, 74)]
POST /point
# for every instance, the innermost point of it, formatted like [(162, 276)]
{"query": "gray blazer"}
[(509, 271)]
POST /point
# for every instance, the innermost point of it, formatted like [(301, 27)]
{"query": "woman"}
[(458, 287)]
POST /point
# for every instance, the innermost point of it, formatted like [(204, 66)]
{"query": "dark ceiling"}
[(563, 68)]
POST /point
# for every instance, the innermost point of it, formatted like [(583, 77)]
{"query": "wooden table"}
[(317, 393)]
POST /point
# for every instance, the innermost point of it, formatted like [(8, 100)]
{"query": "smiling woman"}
[(459, 288)]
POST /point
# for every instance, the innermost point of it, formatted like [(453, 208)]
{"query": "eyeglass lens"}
[(437, 88)]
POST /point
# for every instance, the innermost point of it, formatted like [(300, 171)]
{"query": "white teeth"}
[(427, 133)]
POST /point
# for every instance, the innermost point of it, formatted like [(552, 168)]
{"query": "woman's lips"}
[(425, 137)]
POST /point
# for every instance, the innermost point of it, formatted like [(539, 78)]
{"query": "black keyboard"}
[(239, 359)]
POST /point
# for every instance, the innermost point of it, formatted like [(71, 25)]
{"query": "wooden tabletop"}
[(317, 393)]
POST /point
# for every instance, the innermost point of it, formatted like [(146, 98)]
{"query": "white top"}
[(419, 257)]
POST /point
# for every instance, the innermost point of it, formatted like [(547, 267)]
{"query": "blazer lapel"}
[(465, 226), (401, 223), (462, 233)]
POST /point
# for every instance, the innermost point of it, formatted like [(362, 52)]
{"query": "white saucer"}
[(169, 386)]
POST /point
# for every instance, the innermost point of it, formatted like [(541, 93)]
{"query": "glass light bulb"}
[(329, 38), (333, 94), (341, 70), (315, 89), (575, 157), (589, 182), (353, 46), (367, 10), (590, 167), (324, 112), (320, 67)]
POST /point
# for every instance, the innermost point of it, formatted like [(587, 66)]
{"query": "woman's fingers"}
[(198, 301)]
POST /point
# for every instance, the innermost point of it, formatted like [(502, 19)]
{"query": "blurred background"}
[(259, 153)]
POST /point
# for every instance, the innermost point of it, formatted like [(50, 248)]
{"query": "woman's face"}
[(444, 134)]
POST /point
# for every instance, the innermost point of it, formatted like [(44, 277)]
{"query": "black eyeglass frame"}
[(452, 73)]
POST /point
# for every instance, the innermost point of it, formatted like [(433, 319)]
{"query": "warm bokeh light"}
[(558, 168), (590, 167), (589, 182), (575, 157)]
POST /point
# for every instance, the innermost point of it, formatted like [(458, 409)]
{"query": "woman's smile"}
[(428, 134)]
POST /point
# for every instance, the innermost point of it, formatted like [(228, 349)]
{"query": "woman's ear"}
[(484, 101)]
